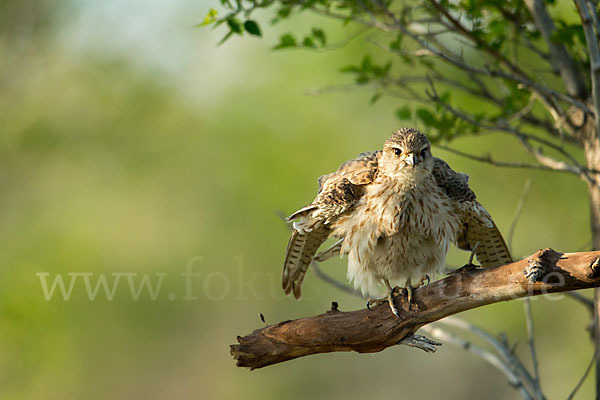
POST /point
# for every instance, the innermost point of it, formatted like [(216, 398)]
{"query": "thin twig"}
[(574, 168), (438, 333), (333, 282), (517, 214), (585, 375), (587, 302), (531, 343), (545, 92), (503, 350)]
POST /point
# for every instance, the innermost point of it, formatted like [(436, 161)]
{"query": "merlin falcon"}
[(395, 212)]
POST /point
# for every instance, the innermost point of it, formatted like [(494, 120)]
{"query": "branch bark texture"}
[(364, 331)]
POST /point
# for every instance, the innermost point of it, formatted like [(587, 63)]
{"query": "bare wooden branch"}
[(496, 163), (524, 138), (494, 359), (500, 346), (482, 44), (366, 331), (544, 92)]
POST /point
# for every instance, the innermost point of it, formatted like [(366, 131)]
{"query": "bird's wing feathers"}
[(298, 256), (341, 189), (338, 192), (456, 185), (478, 225), (361, 170)]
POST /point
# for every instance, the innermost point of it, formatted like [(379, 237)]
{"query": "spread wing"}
[(338, 192), (478, 225)]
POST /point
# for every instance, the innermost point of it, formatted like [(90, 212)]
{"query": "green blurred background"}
[(131, 143)]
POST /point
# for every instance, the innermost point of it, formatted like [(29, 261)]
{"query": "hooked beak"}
[(412, 159)]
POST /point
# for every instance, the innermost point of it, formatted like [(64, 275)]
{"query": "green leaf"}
[(404, 113), (361, 79), (375, 97), (367, 64), (308, 42), (445, 98), (282, 14), (319, 34), (286, 41), (397, 44), (350, 68), (226, 38), (235, 25), (496, 43), (210, 18), (387, 67), (252, 28), (426, 117)]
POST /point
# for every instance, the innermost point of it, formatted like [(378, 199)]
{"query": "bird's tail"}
[(298, 256)]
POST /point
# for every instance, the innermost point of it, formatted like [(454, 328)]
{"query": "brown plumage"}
[(491, 250), (396, 211)]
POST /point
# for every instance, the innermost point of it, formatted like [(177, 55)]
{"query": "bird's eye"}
[(397, 151)]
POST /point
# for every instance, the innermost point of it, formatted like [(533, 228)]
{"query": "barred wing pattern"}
[(338, 193), (478, 226)]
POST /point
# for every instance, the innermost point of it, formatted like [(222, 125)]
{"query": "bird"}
[(395, 212)]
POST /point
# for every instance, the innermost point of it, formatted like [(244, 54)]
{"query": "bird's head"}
[(407, 153)]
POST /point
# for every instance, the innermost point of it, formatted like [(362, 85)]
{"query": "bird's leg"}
[(409, 293), (469, 266), (472, 256), (389, 299)]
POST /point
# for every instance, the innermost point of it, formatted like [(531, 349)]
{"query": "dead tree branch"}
[(488, 356), (364, 331)]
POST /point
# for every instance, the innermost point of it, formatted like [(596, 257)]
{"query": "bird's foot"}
[(406, 292), (389, 299), (422, 281), (375, 302)]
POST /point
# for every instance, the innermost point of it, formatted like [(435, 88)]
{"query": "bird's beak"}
[(412, 159)]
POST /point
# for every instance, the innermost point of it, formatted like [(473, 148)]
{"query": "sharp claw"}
[(393, 304), (410, 298), (428, 279), (369, 305)]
